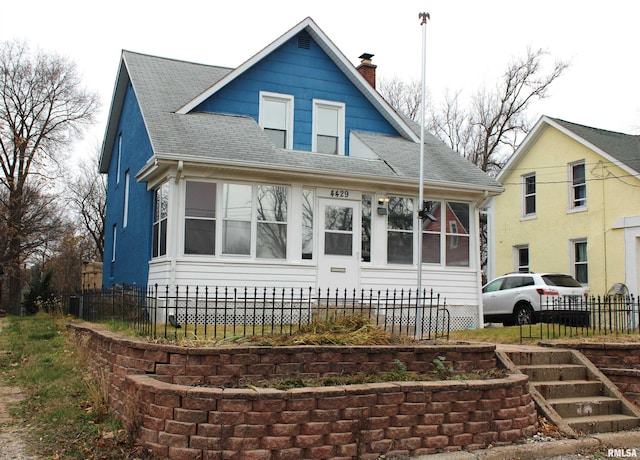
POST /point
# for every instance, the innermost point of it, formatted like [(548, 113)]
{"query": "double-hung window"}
[(578, 185), (276, 118), (328, 127), (400, 231), (529, 195), (125, 216), (160, 213), (521, 255), (579, 259), (200, 218)]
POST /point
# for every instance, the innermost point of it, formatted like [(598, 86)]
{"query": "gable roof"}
[(162, 86), (333, 53), (621, 149)]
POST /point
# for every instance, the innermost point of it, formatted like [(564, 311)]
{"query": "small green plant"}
[(440, 367), (399, 372)]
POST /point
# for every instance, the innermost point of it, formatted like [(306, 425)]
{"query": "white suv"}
[(515, 298)]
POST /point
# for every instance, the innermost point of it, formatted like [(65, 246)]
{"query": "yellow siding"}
[(611, 194)]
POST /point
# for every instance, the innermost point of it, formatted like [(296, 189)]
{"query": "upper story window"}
[(160, 213), (578, 185), (529, 194), (276, 118), (125, 217), (328, 127), (119, 160)]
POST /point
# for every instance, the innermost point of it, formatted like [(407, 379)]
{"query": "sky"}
[(469, 43)]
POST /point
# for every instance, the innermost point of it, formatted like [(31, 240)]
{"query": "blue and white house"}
[(287, 171)]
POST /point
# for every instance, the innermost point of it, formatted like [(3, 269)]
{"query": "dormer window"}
[(328, 127), (276, 118)]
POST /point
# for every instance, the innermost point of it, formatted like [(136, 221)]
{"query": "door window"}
[(338, 230)]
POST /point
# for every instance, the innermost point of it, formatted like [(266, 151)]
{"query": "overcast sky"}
[(469, 42)]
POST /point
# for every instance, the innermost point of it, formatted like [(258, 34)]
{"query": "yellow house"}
[(571, 204)]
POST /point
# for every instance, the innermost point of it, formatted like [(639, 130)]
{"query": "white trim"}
[(340, 107), (572, 257), (289, 102), (572, 206), (113, 249), (119, 158), (524, 214), (516, 257), (125, 217)]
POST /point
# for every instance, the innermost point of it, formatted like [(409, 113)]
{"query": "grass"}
[(511, 334), (65, 411)]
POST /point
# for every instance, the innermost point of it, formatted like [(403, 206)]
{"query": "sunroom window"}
[(160, 213), (307, 223), (400, 231), (449, 223), (200, 218), (236, 225), (271, 234)]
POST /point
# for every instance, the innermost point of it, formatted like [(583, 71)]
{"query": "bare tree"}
[(490, 129), (405, 97), (87, 193), (42, 108)]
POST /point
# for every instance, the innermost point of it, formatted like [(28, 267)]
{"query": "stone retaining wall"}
[(176, 402)]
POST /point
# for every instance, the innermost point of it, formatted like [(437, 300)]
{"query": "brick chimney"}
[(367, 69)]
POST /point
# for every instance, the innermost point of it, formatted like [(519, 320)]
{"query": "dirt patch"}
[(13, 433)]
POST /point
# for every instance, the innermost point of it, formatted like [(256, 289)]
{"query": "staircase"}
[(572, 392)]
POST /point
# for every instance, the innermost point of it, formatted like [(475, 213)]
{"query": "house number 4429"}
[(340, 193)]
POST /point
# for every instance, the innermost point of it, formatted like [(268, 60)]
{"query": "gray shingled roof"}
[(163, 85), (624, 147)]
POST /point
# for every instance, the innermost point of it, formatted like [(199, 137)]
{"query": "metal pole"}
[(419, 311)]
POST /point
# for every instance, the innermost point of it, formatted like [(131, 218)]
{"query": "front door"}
[(339, 245)]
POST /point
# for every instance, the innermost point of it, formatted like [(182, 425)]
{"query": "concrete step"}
[(557, 372), (586, 406), (568, 389), (603, 423), (528, 358)]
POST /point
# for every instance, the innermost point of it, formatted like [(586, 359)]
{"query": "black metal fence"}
[(583, 316), (223, 313)]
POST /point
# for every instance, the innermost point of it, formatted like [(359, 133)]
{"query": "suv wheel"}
[(522, 315)]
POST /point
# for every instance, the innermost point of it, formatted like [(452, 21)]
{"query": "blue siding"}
[(133, 243), (306, 74)]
